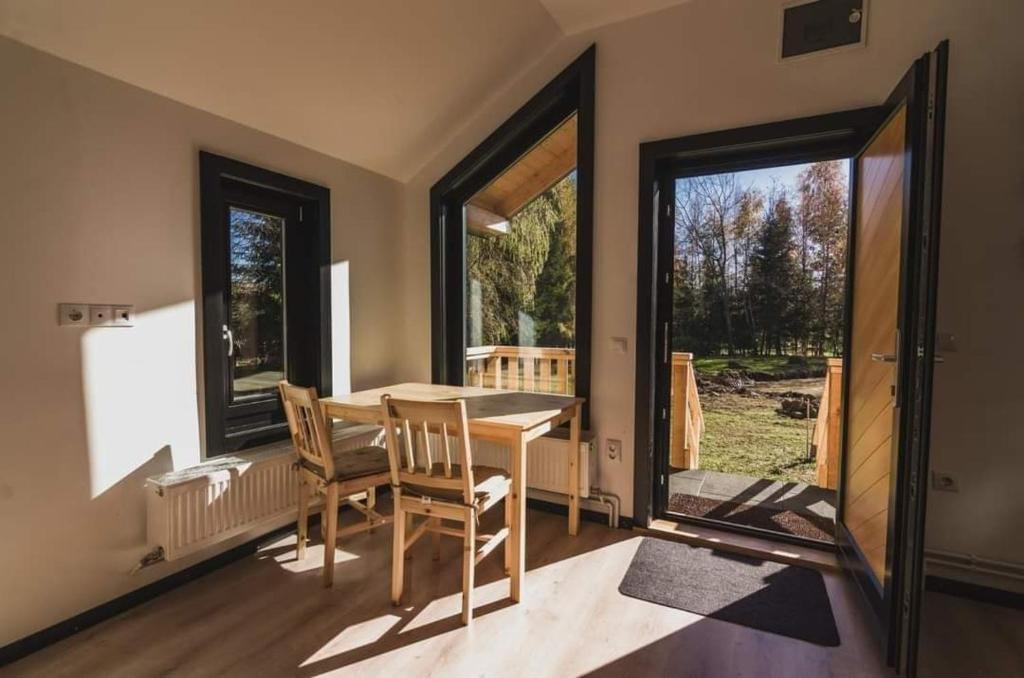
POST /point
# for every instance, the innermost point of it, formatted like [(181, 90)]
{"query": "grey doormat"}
[(784, 599)]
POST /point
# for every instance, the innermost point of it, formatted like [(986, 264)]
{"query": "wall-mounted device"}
[(96, 315), (819, 25)]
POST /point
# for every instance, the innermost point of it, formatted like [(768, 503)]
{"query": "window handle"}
[(230, 338)]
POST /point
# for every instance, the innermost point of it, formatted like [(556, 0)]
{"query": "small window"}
[(266, 305)]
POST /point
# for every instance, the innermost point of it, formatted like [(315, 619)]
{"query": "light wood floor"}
[(267, 615)]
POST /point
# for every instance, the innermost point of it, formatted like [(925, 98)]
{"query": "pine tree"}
[(554, 307), (774, 277), (257, 289)]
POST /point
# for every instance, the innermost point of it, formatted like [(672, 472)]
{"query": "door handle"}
[(884, 357), (230, 338)]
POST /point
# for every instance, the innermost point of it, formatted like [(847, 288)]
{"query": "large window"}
[(521, 272), (266, 317), (511, 243)]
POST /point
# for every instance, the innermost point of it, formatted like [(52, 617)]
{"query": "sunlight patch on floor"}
[(314, 559), (355, 636)]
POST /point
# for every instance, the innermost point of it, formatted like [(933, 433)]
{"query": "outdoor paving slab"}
[(686, 482)]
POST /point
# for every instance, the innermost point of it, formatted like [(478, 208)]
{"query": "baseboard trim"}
[(64, 629), (976, 592), (104, 611)]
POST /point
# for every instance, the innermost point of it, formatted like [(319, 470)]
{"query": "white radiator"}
[(198, 507), (547, 461)]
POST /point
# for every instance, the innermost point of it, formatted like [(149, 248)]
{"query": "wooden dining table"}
[(511, 418)]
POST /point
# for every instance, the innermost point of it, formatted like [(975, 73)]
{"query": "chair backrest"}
[(408, 425), (311, 436)]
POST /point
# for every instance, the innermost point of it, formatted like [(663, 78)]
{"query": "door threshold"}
[(698, 535)]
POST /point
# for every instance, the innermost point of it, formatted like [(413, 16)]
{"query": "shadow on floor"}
[(786, 507)]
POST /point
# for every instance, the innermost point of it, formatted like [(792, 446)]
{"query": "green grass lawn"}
[(773, 364), (746, 436)]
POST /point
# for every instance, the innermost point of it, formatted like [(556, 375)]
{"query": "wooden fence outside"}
[(553, 370), (522, 368), (826, 439), (687, 422)]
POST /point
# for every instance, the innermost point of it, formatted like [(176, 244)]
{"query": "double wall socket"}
[(96, 315), (614, 449)]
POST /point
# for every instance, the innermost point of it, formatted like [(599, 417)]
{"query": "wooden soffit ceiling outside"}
[(539, 169)]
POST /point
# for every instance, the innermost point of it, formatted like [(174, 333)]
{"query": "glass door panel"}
[(256, 331)]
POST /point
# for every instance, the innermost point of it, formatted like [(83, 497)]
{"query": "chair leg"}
[(468, 566), (371, 503), (436, 537), (330, 541), (507, 545), (398, 553), (302, 528), (409, 524)]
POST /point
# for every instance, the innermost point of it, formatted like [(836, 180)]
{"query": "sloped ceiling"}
[(382, 84), (576, 16), (377, 83)]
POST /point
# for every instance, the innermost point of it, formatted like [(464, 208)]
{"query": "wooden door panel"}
[(876, 293)]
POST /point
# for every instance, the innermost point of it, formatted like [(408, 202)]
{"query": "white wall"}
[(709, 65), (98, 183)]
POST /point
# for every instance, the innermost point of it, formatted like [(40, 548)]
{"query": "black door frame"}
[(571, 91), (926, 280), (219, 177), (824, 137)]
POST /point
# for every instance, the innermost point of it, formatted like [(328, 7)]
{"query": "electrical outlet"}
[(944, 482), (100, 316), (123, 315), (73, 315), (614, 449)]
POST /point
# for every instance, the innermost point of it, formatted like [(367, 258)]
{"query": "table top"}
[(489, 407)]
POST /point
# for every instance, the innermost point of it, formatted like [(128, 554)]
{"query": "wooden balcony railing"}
[(522, 368), (825, 442), (687, 423), (553, 370)]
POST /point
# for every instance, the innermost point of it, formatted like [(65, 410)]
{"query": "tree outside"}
[(522, 285), (758, 298), (257, 300)]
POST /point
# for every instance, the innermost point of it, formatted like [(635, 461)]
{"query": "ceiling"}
[(576, 16), (382, 84), (540, 168)]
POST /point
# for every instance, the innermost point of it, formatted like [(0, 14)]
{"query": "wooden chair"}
[(437, 489), (323, 469)]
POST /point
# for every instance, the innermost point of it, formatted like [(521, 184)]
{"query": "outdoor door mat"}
[(800, 524), (784, 599)]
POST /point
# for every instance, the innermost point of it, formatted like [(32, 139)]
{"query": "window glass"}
[(256, 302)]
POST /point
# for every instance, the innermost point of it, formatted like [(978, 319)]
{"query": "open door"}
[(890, 348)]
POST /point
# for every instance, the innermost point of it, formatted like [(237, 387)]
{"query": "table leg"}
[(574, 472), (517, 535)]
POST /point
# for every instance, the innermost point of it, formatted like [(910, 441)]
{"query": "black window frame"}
[(219, 179), (571, 91), (823, 137)]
